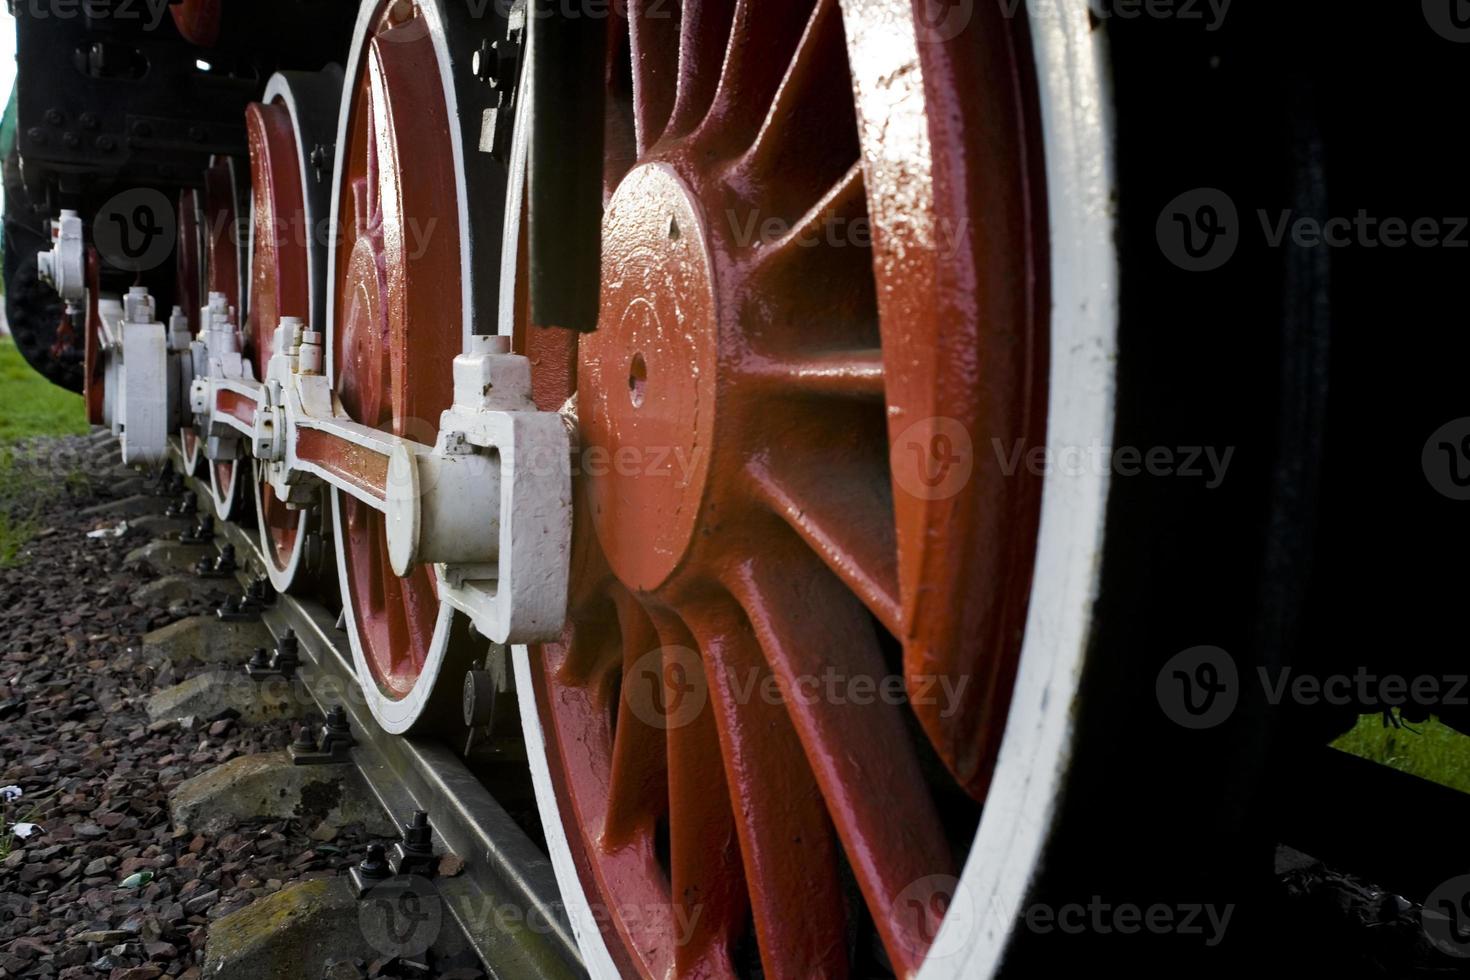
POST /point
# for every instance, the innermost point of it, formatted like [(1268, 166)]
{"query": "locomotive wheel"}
[(402, 306), (189, 272), (808, 419), (288, 259), (224, 271)]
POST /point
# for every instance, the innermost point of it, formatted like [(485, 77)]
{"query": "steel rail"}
[(506, 901)]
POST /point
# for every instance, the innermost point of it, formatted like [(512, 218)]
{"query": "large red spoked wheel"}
[(799, 639), (288, 257), (224, 272), (400, 313), (189, 274)]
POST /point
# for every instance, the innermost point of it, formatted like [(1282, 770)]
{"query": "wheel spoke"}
[(842, 508), (639, 791), (781, 817), (704, 32), (653, 31), (799, 119), (831, 222), (812, 629), (763, 36), (855, 374), (711, 907)]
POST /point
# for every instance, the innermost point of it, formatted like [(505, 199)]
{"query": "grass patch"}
[(32, 406), (1429, 750)]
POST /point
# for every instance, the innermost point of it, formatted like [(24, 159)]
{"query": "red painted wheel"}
[(288, 256), (198, 21), (224, 270), (800, 575), (94, 374), (400, 312), (189, 276)]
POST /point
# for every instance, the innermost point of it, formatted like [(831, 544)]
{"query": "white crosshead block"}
[(143, 382)]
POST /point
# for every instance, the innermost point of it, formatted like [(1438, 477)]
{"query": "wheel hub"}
[(648, 378)]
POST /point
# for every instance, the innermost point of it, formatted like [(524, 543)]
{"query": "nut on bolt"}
[(222, 566), (202, 533), (336, 739), (370, 870), (414, 854)]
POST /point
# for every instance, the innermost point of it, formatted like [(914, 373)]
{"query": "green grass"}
[(1429, 750), (32, 406)]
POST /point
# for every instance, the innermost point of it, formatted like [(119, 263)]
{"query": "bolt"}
[(89, 120), (106, 144), (482, 62), (289, 643), (418, 837), (72, 140), (54, 117), (142, 130), (304, 742), (259, 660), (260, 591), (374, 867), (37, 135), (226, 561), (285, 658), (337, 720)]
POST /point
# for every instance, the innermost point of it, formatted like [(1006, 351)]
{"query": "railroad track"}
[(503, 868)]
